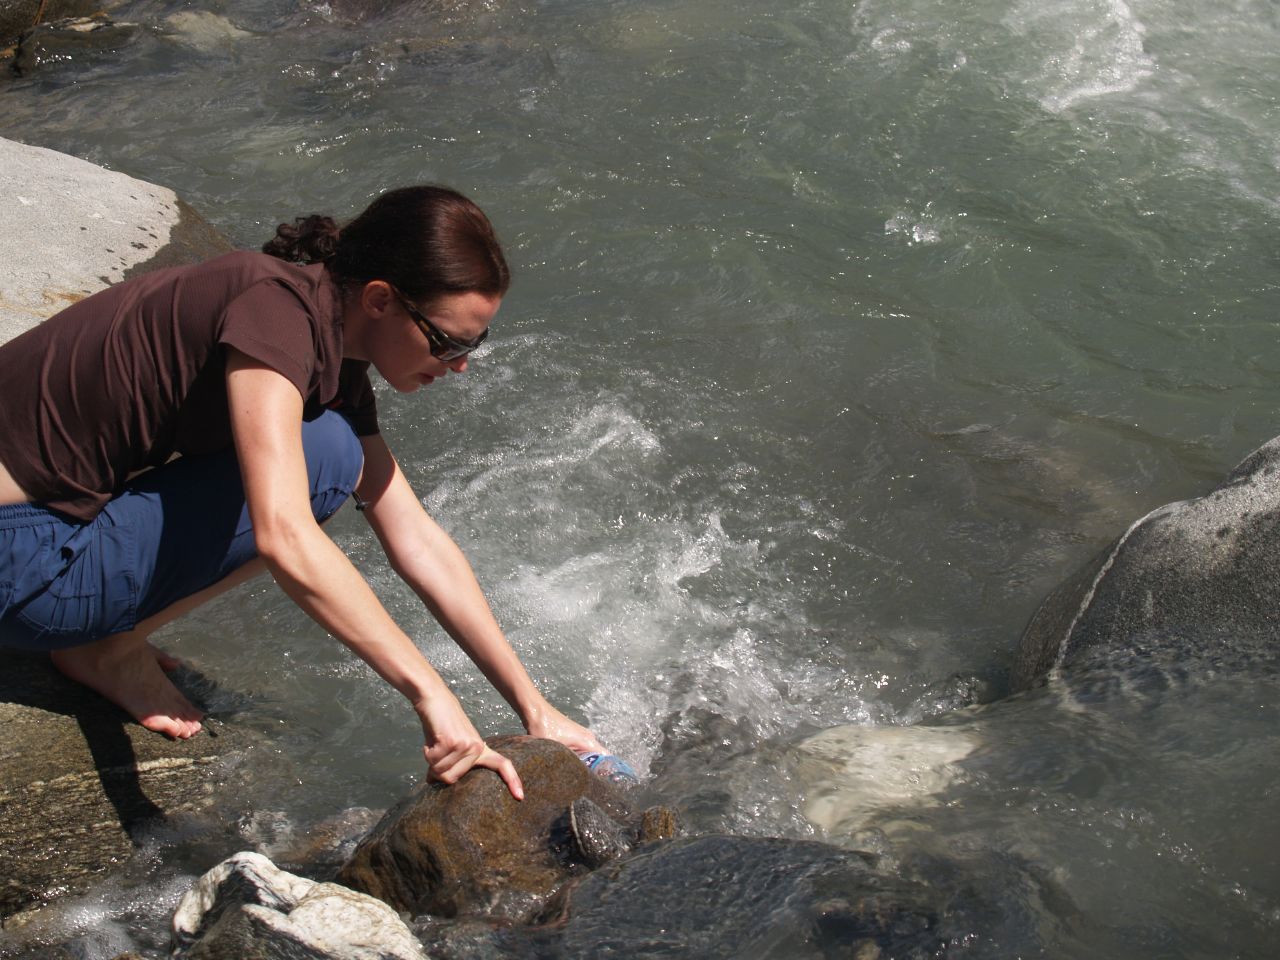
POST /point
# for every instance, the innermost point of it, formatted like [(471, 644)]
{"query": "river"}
[(840, 334)]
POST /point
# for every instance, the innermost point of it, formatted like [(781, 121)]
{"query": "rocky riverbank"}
[(73, 228), (80, 782)]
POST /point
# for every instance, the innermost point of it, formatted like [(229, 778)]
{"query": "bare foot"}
[(167, 662), (127, 671)]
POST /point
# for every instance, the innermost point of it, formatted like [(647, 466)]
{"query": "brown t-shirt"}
[(128, 377)]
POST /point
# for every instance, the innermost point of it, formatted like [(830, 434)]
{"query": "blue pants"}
[(173, 531)]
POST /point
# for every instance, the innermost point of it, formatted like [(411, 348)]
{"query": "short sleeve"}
[(271, 323)]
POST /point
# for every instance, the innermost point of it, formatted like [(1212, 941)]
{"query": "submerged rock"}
[(1201, 573), (854, 776), (472, 849), (72, 38), (727, 896), (248, 907), (718, 897), (19, 15)]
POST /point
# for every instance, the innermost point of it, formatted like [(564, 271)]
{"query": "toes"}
[(172, 726)]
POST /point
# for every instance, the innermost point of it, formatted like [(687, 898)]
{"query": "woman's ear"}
[(377, 298)]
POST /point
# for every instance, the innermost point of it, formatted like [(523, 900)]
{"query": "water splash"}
[(1090, 49)]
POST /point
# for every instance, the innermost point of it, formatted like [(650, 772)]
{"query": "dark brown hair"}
[(427, 241)]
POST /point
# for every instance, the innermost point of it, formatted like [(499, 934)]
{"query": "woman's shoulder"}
[(254, 265), (249, 275)]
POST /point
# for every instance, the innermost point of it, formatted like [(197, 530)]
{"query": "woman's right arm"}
[(266, 411)]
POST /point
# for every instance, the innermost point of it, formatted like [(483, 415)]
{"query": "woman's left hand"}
[(551, 724)]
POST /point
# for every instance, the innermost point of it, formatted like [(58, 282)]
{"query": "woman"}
[(173, 435)]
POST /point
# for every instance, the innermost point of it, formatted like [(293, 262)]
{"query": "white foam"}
[(604, 427), (1089, 48), (923, 228)]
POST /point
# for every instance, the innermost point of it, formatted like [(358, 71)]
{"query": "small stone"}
[(599, 838), (658, 823)]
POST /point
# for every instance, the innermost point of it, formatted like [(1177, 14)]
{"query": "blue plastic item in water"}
[(612, 768)]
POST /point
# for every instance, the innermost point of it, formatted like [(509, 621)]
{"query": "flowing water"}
[(841, 333)]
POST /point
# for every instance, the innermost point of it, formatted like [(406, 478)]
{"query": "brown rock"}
[(472, 849)]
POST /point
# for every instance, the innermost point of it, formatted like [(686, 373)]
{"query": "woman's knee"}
[(335, 462)]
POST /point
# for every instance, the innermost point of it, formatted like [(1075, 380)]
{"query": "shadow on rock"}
[(81, 783)]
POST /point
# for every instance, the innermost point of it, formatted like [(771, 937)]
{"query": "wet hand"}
[(551, 724), (453, 746)]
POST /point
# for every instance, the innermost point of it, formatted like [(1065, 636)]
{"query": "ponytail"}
[(312, 239), (427, 241)]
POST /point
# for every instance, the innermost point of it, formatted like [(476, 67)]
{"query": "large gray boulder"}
[(72, 228), (1203, 574)]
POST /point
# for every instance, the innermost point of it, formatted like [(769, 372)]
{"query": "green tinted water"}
[(841, 333)]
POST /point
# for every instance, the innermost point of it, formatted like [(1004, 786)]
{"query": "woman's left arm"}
[(426, 557)]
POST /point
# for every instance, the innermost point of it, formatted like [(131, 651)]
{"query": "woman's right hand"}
[(550, 724), (453, 746)]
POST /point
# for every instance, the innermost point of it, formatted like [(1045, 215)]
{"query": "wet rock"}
[(72, 228), (72, 38), (248, 907), (720, 897), (597, 837), (727, 896), (1199, 574), (82, 784), (17, 16), (472, 850)]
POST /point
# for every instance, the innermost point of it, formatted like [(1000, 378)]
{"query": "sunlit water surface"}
[(841, 333)]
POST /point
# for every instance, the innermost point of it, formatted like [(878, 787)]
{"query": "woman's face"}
[(402, 351)]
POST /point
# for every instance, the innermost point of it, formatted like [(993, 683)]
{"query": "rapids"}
[(841, 332)]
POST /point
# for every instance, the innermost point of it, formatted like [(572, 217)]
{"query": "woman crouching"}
[(173, 435)]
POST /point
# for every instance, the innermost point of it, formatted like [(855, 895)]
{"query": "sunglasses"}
[(443, 347)]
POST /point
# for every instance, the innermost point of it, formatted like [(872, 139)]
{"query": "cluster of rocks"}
[(19, 16), (465, 851), (468, 872), (34, 32)]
